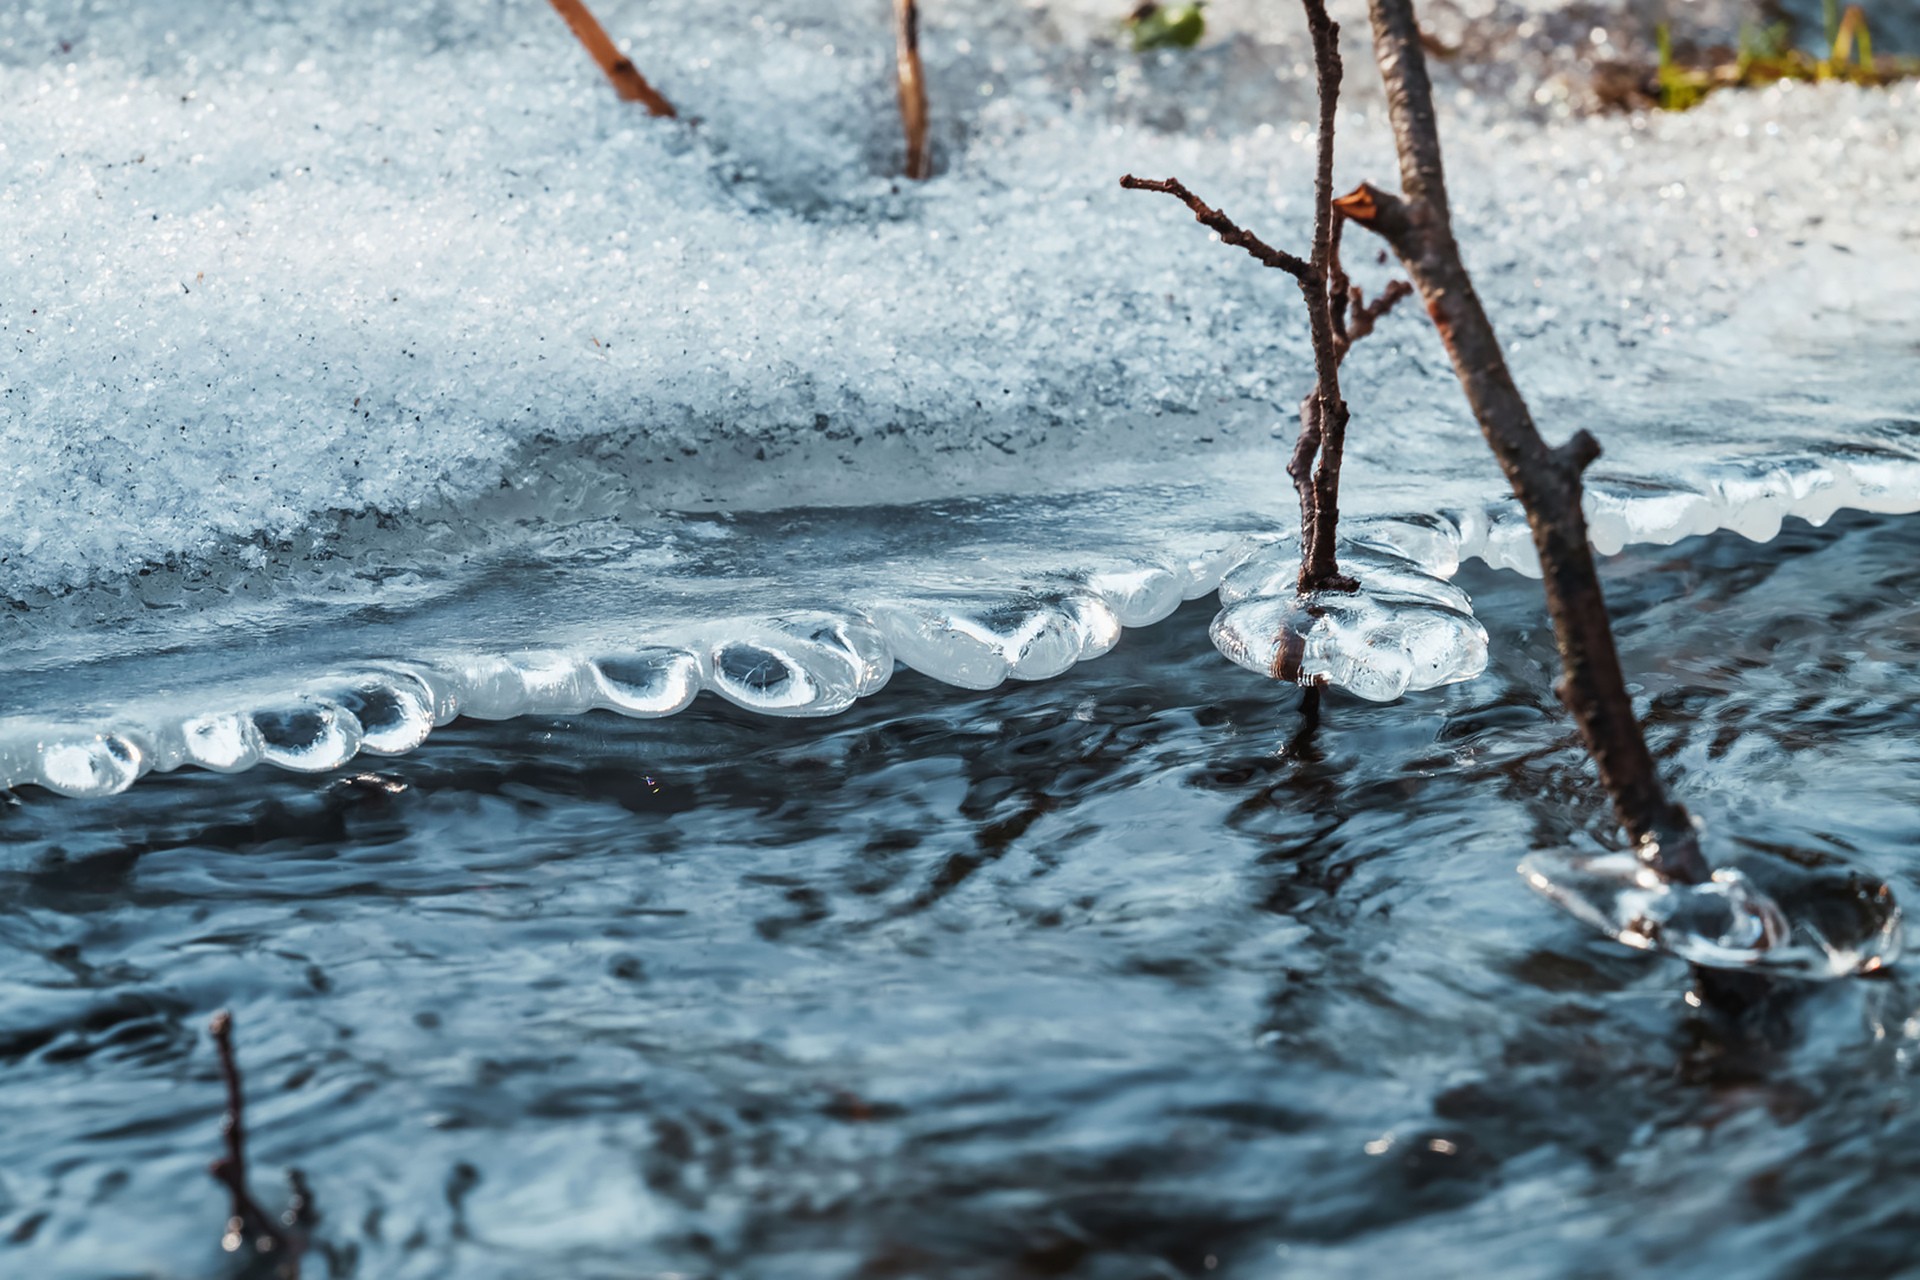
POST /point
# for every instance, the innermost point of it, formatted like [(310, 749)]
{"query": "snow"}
[(344, 332)]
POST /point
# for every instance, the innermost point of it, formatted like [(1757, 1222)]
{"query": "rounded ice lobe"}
[(763, 677), (648, 682), (395, 713), (310, 736), (531, 682), (1804, 915), (801, 664), (1139, 596), (1094, 618), (226, 742), (857, 641), (102, 765), (976, 640)]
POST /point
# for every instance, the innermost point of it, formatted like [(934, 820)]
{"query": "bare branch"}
[(626, 78), (1329, 295), (1397, 46), (1228, 230), (1547, 481), (912, 87), (1326, 308)]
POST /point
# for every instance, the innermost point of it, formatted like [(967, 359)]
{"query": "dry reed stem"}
[(626, 78), (913, 88)]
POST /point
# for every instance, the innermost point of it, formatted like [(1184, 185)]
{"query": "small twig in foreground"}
[(912, 86), (249, 1227), (619, 68)]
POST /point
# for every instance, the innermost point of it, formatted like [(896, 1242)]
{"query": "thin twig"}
[(248, 1225), (912, 87), (1229, 231), (1329, 295), (619, 68), (1546, 480)]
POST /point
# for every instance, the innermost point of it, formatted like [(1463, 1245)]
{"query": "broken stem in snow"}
[(1547, 480), (912, 86), (1329, 296), (619, 68)]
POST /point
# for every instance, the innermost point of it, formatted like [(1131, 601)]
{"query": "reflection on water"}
[(1115, 976)]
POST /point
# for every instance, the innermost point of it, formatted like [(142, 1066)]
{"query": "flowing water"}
[(1126, 974)]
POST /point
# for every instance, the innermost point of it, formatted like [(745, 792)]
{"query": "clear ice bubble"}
[(309, 736), (103, 764), (783, 677), (800, 664), (1269, 570), (942, 642), (225, 742), (1622, 510), (395, 712), (1430, 541), (1391, 578), (648, 682), (1802, 916), (1042, 642)]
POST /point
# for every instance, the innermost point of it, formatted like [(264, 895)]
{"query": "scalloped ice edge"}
[(815, 663), (796, 663)]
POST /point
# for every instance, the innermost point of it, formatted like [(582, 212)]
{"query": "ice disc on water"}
[(1805, 917), (1378, 650)]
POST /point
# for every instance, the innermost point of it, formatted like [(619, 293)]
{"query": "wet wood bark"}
[(1546, 479)]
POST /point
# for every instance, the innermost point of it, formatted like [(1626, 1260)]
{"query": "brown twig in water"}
[(912, 86), (1329, 294), (619, 68), (1545, 479), (249, 1227)]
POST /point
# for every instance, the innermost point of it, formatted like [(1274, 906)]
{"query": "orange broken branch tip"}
[(626, 78), (1358, 205)]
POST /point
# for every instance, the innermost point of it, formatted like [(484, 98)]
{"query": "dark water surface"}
[(1115, 976)]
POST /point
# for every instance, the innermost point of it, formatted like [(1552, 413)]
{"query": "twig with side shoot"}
[(1329, 296), (619, 68)]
